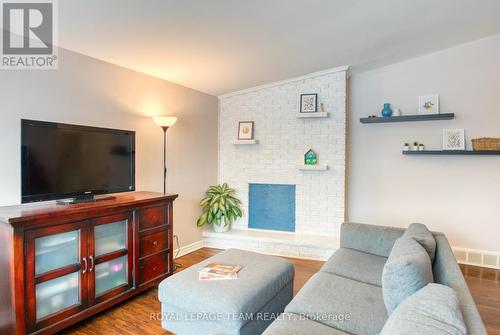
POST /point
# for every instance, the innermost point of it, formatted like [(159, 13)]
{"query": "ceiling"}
[(220, 46)]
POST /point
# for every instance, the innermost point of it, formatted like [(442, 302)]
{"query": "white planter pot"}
[(221, 228)]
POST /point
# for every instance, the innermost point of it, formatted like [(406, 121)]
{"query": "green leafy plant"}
[(219, 202)]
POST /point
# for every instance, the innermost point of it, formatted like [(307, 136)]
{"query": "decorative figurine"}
[(310, 158), (322, 107), (387, 111), (421, 147), (415, 146), (406, 147), (396, 112)]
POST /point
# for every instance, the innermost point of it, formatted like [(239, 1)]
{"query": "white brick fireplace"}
[(282, 140)]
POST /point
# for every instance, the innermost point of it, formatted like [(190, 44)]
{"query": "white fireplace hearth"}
[(274, 243)]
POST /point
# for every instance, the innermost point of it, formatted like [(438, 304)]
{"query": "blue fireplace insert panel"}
[(272, 207)]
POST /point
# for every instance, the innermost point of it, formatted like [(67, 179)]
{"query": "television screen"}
[(64, 161)]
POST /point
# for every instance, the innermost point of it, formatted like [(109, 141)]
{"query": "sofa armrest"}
[(447, 272), (376, 240)]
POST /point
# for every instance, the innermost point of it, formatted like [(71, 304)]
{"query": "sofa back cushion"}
[(407, 270), (422, 235), (434, 310)]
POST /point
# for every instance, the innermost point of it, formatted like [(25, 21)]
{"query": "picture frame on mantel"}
[(245, 130), (309, 103)]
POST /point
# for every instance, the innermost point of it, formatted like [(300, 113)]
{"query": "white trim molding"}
[(187, 249), (483, 258), (286, 81)]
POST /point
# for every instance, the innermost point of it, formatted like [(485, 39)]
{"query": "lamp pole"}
[(165, 128)]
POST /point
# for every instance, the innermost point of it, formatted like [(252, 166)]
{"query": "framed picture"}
[(309, 103), (453, 139), (245, 130), (428, 104)]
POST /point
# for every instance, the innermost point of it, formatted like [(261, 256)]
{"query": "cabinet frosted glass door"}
[(55, 273), (111, 257)]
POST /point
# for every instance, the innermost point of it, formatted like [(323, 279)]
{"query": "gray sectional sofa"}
[(347, 296)]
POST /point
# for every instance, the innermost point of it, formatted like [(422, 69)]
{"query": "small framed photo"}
[(453, 139), (309, 103), (245, 130), (428, 104)]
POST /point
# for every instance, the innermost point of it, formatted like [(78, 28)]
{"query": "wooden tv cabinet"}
[(60, 264)]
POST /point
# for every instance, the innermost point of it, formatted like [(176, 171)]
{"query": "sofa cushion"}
[(422, 235), (406, 271), (357, 265), (372, 239), (289, 323), (346, 304), (434, 310)]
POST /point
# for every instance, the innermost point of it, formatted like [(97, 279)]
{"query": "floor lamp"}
[(166, 122)]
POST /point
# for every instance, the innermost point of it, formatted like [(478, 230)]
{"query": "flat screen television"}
[(61, 161)]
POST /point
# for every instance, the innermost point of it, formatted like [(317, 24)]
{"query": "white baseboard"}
[(187, 249), (484, 258)]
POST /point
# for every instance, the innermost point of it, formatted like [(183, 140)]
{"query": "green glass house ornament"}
[(310, 158)]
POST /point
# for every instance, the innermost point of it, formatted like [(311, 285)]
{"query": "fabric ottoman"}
[(246, 305)]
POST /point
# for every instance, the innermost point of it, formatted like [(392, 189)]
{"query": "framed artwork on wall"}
[(245, 130), (309, 103), (428, 104), (453, 139)]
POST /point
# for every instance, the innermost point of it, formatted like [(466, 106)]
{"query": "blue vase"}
[(387, 111)]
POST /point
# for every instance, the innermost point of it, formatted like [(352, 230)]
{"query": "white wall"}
[(91, 92), (457, 195), (283, 140)]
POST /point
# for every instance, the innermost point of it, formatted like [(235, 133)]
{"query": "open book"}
[(219, 271)]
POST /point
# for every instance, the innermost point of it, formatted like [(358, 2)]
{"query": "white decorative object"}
[(421, 147), (396, 112), (453, 139), (428, 104), (222, 227), (406, 147)]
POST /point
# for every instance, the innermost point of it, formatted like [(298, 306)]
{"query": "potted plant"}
[(220, 208)]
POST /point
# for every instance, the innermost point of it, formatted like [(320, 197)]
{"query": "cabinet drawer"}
[(153, 266), (152, 217), (152, 243)]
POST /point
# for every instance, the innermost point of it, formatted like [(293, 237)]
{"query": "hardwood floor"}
[(133, 316)]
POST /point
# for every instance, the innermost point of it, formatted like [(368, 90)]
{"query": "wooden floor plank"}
[(134, 316)]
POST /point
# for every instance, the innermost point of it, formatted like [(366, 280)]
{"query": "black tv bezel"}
[(56, 196)]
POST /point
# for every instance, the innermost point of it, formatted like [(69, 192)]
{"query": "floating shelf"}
[(408, 118), (452, 152), (313, 167), (312, 115), (245, 142)]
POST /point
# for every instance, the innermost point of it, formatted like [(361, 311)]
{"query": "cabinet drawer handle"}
[(155, 243), (84, 260), (91, 263)]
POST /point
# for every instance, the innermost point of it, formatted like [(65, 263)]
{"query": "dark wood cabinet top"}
[(19, 214)]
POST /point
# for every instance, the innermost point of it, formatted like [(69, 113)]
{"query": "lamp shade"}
[(165, 121)]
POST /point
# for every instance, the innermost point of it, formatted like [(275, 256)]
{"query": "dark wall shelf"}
[(452, 152), (408, 118)]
